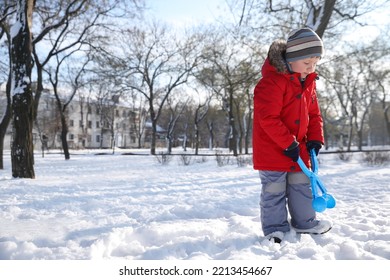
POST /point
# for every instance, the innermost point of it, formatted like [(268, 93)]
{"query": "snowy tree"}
[(22, 153)]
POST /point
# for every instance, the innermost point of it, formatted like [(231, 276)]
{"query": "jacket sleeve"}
[(315, 129), (269, 103)]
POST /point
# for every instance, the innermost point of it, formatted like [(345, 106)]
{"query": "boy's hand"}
[(292, 151), (316, 145)]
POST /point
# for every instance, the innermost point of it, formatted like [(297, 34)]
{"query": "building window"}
[(98, 138), (97, 124), (71, 137), (89, 124), (71, 123)]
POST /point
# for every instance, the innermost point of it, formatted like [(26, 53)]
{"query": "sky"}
[(187, 12), (183, 13)]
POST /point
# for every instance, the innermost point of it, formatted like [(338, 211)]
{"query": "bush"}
[(221, 159), (376, 158), (202, 159), (163, 158), (344, 156), (185, 159), (244, 160)]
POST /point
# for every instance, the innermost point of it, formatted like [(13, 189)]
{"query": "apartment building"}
[(92, 124)]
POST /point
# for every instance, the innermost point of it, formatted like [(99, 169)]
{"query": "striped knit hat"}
[(303, 43)]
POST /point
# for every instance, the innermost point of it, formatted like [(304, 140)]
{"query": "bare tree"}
[(175, 110), (153, 64), (352, 82), (5, 14), (107, 107), (247, 120), (140, 121), (378, 77), (279, 17), (201, 111), (57, 23), (227, 69), (67, 24), (69, 21), (243, 103), (6, 118), (216, 127), (382, 78), (47, 123), (62, 102)]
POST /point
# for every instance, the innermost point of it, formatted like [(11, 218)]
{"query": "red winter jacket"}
[(284, 111)]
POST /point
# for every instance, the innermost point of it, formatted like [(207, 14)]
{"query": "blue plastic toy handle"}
[(311, 175), (321, 199), (314, 161)]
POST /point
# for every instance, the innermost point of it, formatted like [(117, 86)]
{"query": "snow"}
[(97, 207)]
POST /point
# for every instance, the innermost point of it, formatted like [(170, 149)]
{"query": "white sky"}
[(183, 13), (186, 12)]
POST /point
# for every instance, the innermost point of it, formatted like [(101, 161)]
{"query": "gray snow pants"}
[(279, 189)]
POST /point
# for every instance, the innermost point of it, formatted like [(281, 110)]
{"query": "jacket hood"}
[(276, 55)]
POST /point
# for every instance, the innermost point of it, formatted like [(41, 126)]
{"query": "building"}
[(92, 124)]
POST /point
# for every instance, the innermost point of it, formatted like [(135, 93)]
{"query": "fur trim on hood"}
[(276, 55)]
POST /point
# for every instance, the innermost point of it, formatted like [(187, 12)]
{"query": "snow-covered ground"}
[(133, 207)]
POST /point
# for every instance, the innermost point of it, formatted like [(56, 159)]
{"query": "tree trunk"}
[(318, 18), (248, 133), (232, 126), (196, 139), (350, 134), (64, 132), (185, 138), (22, 151), (249, 121), (169, 145), (5, 121), (153, 140), (387, 123), (210, 127)]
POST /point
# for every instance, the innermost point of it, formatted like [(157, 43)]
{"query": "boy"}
[(287, 124)]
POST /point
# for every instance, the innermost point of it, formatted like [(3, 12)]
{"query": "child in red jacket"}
[(287, 124)]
